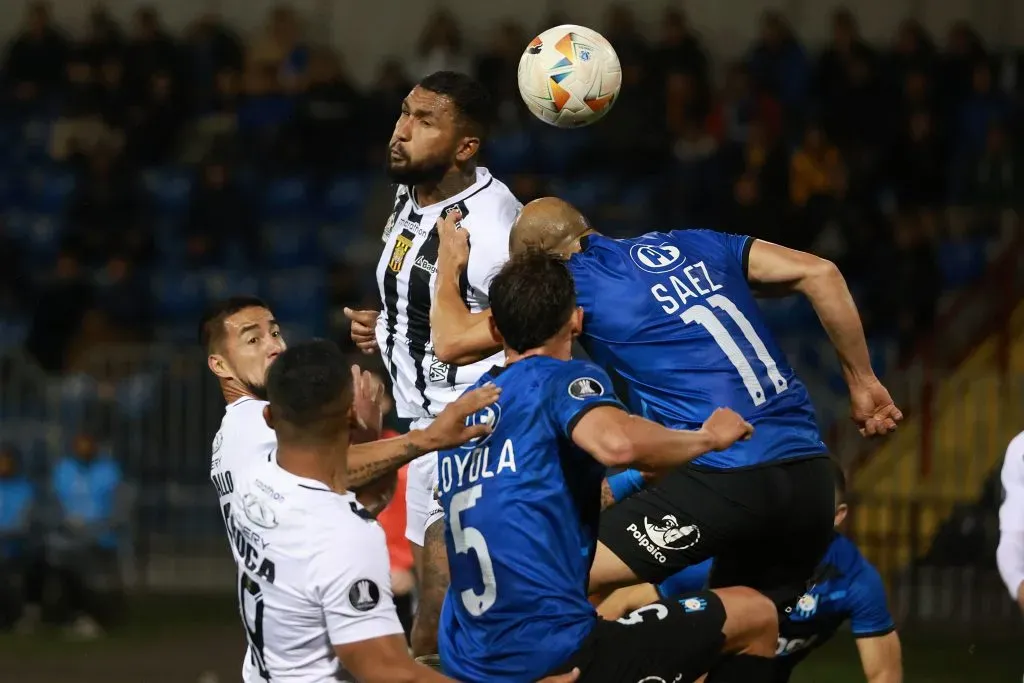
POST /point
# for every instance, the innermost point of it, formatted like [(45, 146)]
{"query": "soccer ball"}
[(569, 76)]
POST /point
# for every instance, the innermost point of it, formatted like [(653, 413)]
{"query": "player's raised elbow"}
[(820, 276)]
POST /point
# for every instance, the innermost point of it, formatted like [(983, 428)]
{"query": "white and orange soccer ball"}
[(569, 76)]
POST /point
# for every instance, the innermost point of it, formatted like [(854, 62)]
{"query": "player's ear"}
[(841, 511), (219, 366), (577, 322), (468, 147), (268, 416), (495, 334)]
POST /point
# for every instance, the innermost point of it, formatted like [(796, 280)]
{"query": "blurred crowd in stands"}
[(144, 172)]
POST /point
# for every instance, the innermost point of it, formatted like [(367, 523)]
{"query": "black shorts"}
[(677, 639), (767, 526)]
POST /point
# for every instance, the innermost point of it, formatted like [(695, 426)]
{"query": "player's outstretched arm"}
[(460, 337), (369, 461), (825, 287), (881, 658), (617, 439), (385, 660)]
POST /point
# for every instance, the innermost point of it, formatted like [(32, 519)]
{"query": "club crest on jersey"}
[(691, 605), (657, 258), (218, 441), (402, 246), (258, 512), (585, 387), (806, 606), (364, 595), (490, 415)]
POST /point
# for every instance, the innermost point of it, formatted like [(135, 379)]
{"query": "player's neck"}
[(556, 348), (454, 181), (317, 462), (233, 391)]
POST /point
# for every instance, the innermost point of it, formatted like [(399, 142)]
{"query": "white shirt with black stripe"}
[(405, 275)]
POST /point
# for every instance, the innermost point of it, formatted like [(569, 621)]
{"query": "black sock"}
[(742, 669)]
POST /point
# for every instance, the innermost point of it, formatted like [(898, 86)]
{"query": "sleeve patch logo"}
[(364, 595), (585, 387)]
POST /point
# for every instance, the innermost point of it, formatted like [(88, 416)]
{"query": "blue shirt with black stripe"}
[(672, 314), (521, 509)]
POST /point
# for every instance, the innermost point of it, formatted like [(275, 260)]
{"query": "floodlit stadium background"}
[(900, 158)]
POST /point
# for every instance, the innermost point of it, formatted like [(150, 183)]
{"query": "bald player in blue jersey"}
[(673, 315)]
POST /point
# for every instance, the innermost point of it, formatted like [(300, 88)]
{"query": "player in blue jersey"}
[(849, 588), (673, 315), (522, 507)]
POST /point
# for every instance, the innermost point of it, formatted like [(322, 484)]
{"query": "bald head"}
[(548, 223)]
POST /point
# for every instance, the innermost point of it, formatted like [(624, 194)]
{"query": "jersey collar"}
[(483, 176)]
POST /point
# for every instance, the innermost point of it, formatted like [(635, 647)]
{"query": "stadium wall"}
[(366, 32)]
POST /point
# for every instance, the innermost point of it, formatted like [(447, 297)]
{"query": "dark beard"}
[(257, 390), (430, 173)]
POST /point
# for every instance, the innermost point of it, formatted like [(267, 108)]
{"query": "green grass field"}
[(180, 639)]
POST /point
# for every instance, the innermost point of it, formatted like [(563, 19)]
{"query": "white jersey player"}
[(1010, 553), (432, 156)]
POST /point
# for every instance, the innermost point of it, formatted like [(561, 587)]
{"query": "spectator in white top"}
[(1010, 553)]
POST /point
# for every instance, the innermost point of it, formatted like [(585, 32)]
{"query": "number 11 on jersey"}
[(466, 538), (705, 317)]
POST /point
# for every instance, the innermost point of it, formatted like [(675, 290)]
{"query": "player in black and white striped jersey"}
[(433, 158)]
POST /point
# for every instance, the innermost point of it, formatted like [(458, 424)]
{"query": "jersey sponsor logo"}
[(585, 387), (364, 595), (412, 226), (691, 605), (656, 258), (258, 512), (438, 371), (402, 246), (424, 264), (670, 535), (491, 415)]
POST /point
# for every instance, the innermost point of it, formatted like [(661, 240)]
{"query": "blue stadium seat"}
[(962, 261), (135, 394), (586, 193), (50, 187), (169, 188), (223, 283), (289, 244), (287, 196), (299, 297), (178, 295), (336, 239), (559, 150), (509, 152), (345, 198)]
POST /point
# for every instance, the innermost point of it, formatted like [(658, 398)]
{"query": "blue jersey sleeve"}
[(692, 578), (738, 246), (869, 613), (576, 390)]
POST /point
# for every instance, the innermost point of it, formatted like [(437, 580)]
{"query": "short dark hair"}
[(532, 297), (471, 99), (840, 483), (211, 326), (309, 387)]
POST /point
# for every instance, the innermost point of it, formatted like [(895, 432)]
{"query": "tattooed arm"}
[(369, 461), (434, 579), (607, 497)]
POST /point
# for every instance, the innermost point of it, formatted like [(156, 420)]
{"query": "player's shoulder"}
[(492, 207), (851, 563), (580, 379), (243, 427)]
